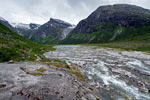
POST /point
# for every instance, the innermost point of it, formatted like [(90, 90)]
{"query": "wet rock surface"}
[(20, 81), (118, 75)]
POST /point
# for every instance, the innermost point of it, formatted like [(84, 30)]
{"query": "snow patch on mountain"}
[(67, 31), (20, 25), (1, 18)]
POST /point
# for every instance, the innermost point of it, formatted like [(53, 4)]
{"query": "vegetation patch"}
[(60, 65), (40, 70), (69, 68), (37, 72), (131, 39), (78, 75), (17, 48), (47, 40), (126, 46)]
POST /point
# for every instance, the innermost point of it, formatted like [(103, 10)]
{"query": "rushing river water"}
[(118, 75)]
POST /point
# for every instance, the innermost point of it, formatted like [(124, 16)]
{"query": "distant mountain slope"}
[(51, 32), (110, 23), (16, 47), (25, 29), (6, 23)]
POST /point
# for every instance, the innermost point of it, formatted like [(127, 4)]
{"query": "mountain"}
[(110, 23), (51, 32), (16, 47)]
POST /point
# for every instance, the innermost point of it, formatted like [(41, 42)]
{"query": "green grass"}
[(47, 40), (128, 46), (17, 48), (37, 72), (135, 39), (41, 70), (133, 45), (105, 33)]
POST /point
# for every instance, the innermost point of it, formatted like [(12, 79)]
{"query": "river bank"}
[(118, 75), (107, 74)]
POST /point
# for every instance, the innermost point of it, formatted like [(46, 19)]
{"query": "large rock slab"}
[(20, 81)]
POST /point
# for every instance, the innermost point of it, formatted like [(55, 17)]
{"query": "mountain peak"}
[(59, 22), (110, 22), (126, 8), (123, 15)]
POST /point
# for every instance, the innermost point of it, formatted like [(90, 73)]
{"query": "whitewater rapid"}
[(118, 75)]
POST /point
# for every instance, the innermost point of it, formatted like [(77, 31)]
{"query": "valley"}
[(106, 56)]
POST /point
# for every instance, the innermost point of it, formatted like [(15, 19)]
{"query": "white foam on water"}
[(109, 79), (134, 63)]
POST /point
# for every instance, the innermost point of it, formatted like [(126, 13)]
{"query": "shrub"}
[(7, 54)]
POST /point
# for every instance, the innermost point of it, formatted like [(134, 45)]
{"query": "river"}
[(118, 75)]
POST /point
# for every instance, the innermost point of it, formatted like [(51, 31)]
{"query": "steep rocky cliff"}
[(108, 22)]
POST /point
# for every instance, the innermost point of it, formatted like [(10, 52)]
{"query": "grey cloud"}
[(40, 11)]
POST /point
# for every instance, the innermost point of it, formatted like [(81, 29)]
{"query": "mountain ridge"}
[(50, 32), (107, 23)]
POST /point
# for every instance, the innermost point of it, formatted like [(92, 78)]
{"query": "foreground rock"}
[(34, 81)]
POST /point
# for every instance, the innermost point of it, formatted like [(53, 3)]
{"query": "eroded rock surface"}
[(22, 81)]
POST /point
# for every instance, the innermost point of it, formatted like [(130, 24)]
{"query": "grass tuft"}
[(40, 70), (35, 73)]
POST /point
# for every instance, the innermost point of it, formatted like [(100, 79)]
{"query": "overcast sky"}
[(40, 11)]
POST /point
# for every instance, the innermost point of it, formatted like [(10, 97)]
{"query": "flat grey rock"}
[(54, 84)]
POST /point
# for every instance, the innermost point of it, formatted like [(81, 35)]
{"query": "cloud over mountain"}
[(39, 11)]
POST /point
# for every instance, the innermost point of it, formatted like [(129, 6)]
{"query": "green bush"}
[(7, 54)]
